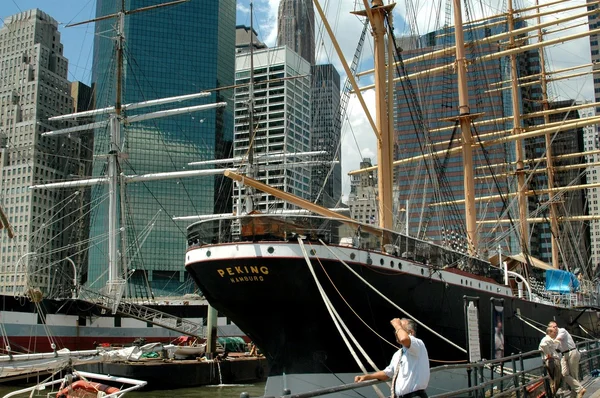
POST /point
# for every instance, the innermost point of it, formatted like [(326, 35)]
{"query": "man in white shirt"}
[(409, 368), (569, 362), (551, 357)]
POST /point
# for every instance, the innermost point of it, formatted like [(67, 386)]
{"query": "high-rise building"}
[(440, 178), (296, 27), (591, 143), (244, 37), (573, 237), (362, 201), (326, 178), (34, 87), (593, 173), (281, 122), (295, 22), (175, 50)]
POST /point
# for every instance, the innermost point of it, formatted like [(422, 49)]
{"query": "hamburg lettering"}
[(244, 273), (251, 278)]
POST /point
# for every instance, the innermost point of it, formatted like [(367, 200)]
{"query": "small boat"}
[(85, 389), (80, 385)]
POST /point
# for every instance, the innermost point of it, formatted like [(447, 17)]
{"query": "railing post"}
[(502, 375), (481, 379), (492, 369), (469, 371), (516, 377), (547, 387)]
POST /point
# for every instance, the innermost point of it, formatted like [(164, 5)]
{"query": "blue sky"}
[(360, 142), (78, 41)]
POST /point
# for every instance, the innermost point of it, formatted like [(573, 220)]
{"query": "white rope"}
[(5, 339), (392, 303), (337, 321), (45, 325), (530, 324)]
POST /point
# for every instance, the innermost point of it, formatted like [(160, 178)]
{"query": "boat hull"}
[(269, 291), (79, 325)]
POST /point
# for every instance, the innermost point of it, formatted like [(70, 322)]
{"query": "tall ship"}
[(316, 291), (49, 298)]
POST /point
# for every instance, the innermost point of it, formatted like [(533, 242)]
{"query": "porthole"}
[(392, 264), (399, 265), (208, 253), (270, 249), (422, 271), (381, 261), (352, 256), (313, 251)]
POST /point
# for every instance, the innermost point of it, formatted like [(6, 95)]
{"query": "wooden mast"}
[(549, 159), (377, 13), (464, 119), (516, 131)]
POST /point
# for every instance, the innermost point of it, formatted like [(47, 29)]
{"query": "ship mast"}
[(517, 130), (554, 231), (113, 180), (465, 119), (377, 14), (250, 193)]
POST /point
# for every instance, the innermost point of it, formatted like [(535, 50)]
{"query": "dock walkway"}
[(592, 386)]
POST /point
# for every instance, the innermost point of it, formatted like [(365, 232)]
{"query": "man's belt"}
[(567, 351), (418, 393)]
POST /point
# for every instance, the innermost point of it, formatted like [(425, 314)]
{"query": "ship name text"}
[(244, 273)]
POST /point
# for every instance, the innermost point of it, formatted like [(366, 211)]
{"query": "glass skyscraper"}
[(439, 104), (169, 51)]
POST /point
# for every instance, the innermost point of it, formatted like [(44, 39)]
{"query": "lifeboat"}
[(86, 389)]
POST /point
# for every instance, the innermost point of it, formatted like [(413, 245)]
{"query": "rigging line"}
[(494, 178), (53, 220), (592, 336), (441, 183), (530, 322), (160, 133), (156, 199), (392, 303), (5, 340), (337, 320), (45, 325), (352, 309)]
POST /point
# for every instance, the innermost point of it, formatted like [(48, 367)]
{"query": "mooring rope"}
[(529, 322), (394, 304), (338, 321)]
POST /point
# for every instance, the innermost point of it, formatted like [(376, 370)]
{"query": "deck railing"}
[(519, 375)]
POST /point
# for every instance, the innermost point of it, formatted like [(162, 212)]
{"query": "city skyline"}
[(358, 141)]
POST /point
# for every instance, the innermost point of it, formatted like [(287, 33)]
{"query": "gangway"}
[(143, 313)]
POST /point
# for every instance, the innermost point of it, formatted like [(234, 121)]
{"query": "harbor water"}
[(214, 391)]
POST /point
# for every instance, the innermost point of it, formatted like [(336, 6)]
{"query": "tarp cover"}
[(561, 281), (232, 344)]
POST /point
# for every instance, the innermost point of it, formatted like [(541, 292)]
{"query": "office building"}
[(296, 27), (440, 177), (34, 87), (175, 50), (326, 178), (362, 201), (281, 115)]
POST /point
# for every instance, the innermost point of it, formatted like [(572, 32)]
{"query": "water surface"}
[(221, 391)]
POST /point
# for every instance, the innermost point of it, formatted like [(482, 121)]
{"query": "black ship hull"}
[(269, 291)]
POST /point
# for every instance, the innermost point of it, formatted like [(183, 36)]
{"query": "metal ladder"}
[(143, 313)]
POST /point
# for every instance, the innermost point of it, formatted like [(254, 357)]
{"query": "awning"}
[(517, 259)]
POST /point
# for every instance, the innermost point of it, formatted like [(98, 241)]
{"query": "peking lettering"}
[(244, 273)]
